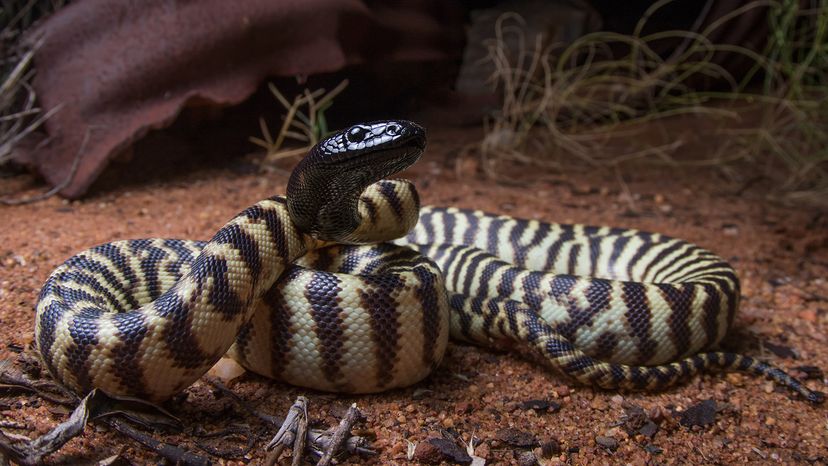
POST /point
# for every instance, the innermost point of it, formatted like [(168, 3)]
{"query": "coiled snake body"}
[(287, 290)]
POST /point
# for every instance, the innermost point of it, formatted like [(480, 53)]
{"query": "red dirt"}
[(781, 255)]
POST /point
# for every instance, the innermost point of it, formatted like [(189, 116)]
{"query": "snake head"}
[(324, 188), (371, 140)]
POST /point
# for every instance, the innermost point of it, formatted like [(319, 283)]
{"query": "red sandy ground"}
[(781, 255)]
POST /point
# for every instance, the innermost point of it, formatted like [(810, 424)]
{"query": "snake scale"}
[(302, 288)]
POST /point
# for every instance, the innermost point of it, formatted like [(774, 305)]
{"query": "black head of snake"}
[(324, 189)]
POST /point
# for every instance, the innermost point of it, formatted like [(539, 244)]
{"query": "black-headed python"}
[(285, 289)]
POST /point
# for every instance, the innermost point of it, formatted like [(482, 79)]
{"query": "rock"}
[(652, 449), (730, 229), (780, 350), (562, 391), (540, 406), (810, 372), (607, 442), (437, 450), (634, 417), (527, 458), (427, 453), (649, 429), (550, 447), (463, 407), (517, 438), (808, 315), (702, 414)]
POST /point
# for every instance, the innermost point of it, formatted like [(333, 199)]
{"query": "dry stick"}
[(57, 188), (44, 389), (6, 148), (273, 420), (228, 453), (301, 434), (168, 451), (340, 435), (292, 431), (31, 451), (316, 438), (17, 73)]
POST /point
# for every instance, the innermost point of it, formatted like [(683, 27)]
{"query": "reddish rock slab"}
[(119, 68)]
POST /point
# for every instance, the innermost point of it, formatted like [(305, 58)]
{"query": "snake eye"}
[(392, 129), (356, 134)]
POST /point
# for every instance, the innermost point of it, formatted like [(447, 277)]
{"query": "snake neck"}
[(326, 187)]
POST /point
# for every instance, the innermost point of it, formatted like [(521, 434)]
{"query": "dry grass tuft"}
[(581, 102), (305, 126), (19, 114)]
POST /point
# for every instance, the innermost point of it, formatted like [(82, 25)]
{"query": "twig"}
[(170, 452), (272, 420), (96, 406), (292, 432), (7, 146), (229, 453), (317, 440), (340, 435), (32, 452), (45, 389), (354, 445)]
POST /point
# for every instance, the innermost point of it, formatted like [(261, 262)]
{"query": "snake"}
[(345, 284)]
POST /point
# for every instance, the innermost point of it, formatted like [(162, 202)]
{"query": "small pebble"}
[(540, 406), (652, 449), (516, 438), (527, 458), (550, 447), (735, 378), (463, 407), (702, 414), (427, 453), (607, 442), (598, 403), (729, 229), (808, 315), (649, 429)]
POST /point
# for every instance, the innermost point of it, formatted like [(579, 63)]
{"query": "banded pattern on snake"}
[(611, 307)]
